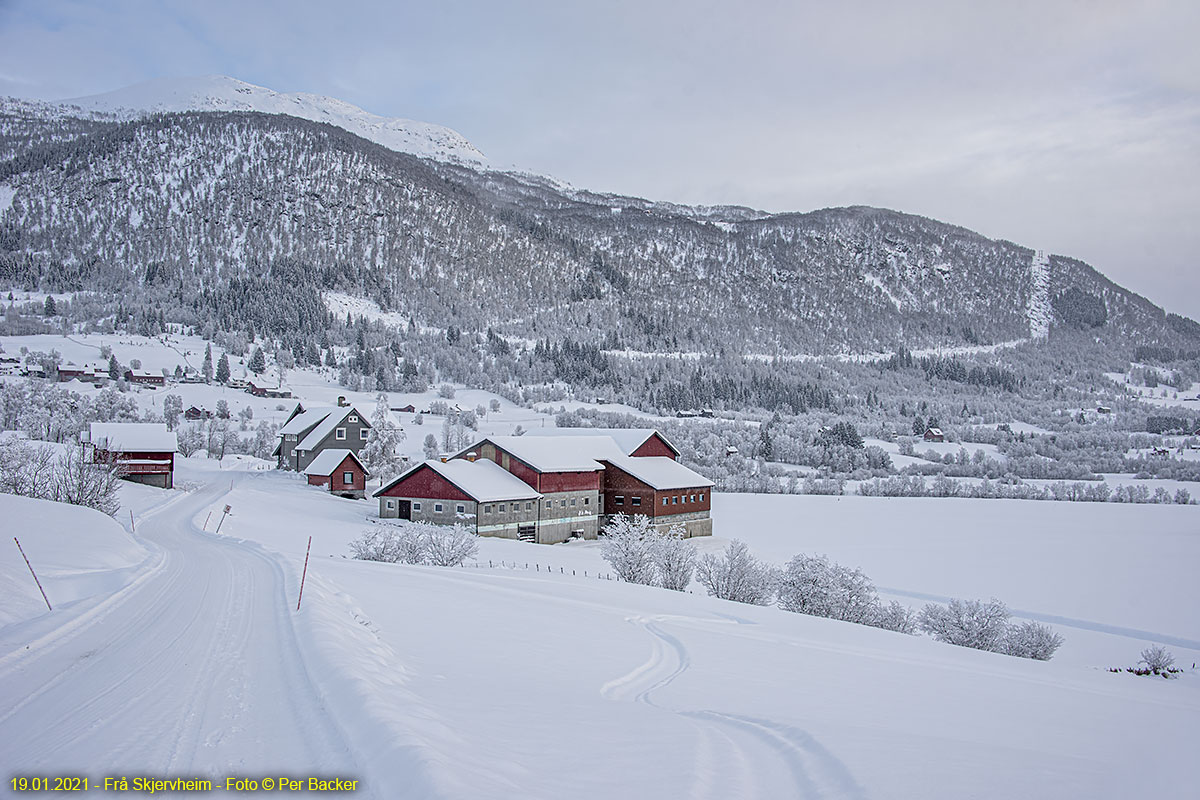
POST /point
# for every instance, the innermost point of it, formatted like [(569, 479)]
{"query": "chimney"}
[(471, 456), (342, 401), (444, 457)]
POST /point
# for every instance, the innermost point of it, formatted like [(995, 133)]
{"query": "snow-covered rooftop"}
[(483, 480), (660, 472), (329, 460), (556, 454), (132, 437), (627, 439), (305, 420)]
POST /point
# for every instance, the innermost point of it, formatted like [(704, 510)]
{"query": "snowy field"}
[(505, 681)]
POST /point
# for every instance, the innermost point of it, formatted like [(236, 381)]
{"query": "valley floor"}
[(505, 681)]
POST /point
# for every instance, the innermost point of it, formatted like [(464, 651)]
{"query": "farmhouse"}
[(574, 479), (341, 471), (142, 377), (144, 452), (476, 493), (934, 435), (262, 390), (309, 432)]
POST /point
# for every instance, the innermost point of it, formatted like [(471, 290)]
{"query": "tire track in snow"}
[(814, 770)]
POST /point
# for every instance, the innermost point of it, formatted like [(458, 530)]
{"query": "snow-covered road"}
[(191, 670)]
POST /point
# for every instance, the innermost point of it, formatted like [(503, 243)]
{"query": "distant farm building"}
[(262, 390), (195, 412), (1103, 410), (553, 486), (934, 435), (143, 452), (340, 471), (143, 377)]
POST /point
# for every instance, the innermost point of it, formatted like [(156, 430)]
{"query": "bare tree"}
[(736, 575), (81, 482)]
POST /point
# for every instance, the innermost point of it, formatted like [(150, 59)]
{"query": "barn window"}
[(572, 502), (675, 500), (666, 500), (701, 497), (460, 508), (347, 478), (587, 501), (362, 434), (619, 499), (487, 509), (391, 503), (549, 504), (635, 501), (502, 508), (529, 506), (437, 507), (340, 434), (416, 507), (562, 503)]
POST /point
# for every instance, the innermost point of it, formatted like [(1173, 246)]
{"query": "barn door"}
[(404, 509)]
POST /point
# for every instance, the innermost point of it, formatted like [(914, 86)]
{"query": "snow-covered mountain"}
[(222, 93)]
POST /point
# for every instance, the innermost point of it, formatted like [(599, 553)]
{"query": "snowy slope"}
[(221, 93)]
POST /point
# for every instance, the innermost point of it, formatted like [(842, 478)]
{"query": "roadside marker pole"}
[(223, 515), (304, 574), (206, 519), (34, 574), (132, 529)]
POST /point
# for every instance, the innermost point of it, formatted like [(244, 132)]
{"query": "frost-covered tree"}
[(222, 374), (258, 362), (737, 575), (450, 547), (967, 623), (26, 470), (207, 368), (1157, 659), (1031, 640), (114, 368), (430, 446), (675, 559), (80, 482), (172, 410), (629, 545), (221, 438), (895, 617), (222, 409), (814, 585), (381, 453), (189, 439)]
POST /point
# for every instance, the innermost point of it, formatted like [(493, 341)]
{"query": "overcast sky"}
[(1068, 126)]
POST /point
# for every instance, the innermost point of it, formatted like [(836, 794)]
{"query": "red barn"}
[(341, 471), (144, 452), (660, 488)]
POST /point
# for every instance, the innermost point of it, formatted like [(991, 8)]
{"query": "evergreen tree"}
[(50, 309), (258, 362), (114, 369), (207, 368), (766, 445), (381, 452), (918, 425), (223, 369)]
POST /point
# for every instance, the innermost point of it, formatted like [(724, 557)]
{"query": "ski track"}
[(735, 754), (193, 669)]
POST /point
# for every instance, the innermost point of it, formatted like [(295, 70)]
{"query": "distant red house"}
[(144, 452), (660, 488), (934, 435), (341, 471), (194, 413), (408, 409), (143, 377)]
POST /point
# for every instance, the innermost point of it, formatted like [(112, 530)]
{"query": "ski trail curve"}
[(726, 766)]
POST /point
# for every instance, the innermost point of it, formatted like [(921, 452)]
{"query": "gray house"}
[(309, 432)]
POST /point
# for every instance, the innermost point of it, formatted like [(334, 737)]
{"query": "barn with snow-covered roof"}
[(144, 452), (660, 488), (340, 471), (488, 500)]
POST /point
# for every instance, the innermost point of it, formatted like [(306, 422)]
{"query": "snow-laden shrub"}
[(967, 623), (817, 586), (895, 617), (1031, 640), (674, 559), (628, 545), (736, 575), (416, 543), (450, 547), (1157, 659)]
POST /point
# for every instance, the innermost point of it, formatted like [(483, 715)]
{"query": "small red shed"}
[(341, 471)]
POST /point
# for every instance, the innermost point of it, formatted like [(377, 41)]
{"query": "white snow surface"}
[(1040, 311), (626, 439), (129, 437), (548, 454), (221, 93), (660, 472), (329, 460), (545, 683)]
